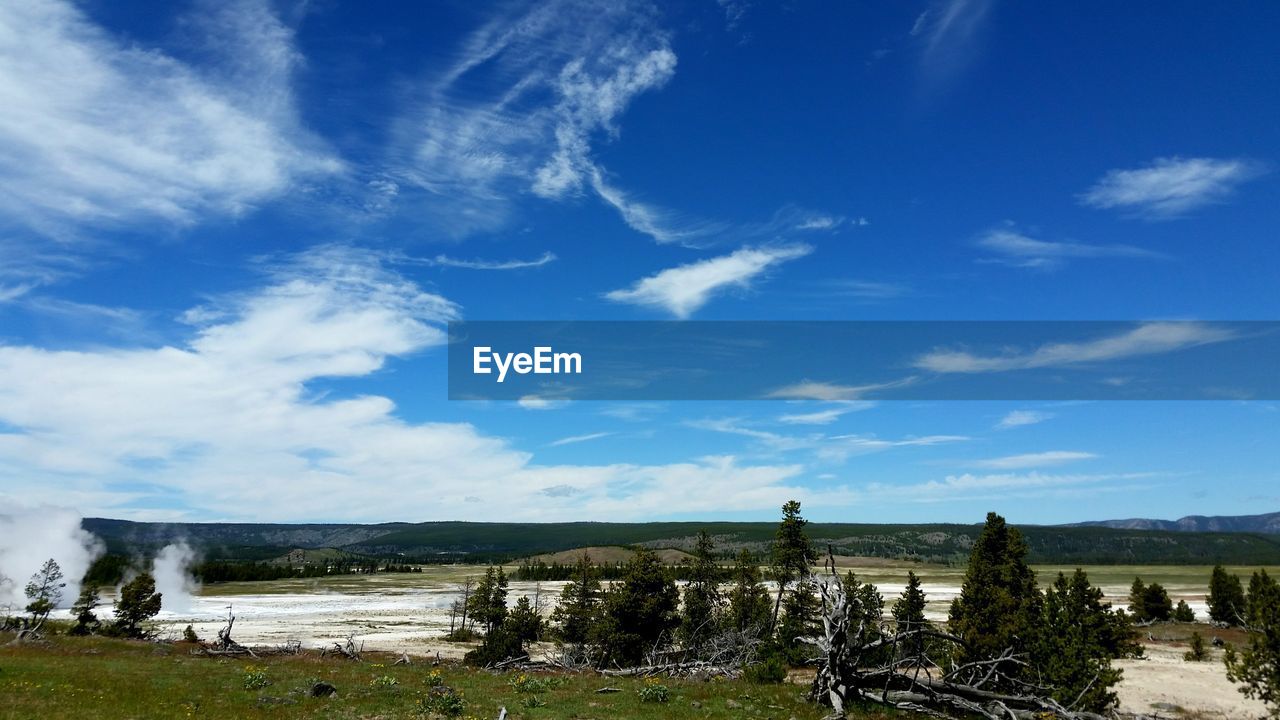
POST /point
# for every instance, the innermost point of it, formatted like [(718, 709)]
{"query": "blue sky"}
[(231, 235)]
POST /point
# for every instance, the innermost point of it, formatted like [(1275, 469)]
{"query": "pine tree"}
[(866, 615), (1156, 604), (138, 602), (1183, 612), (793, 554), (639, 612), (1198, 651), (1226, 597), (999, 605), (523, 622), (86, 621), (1079, 637), (489, 601), (701, 607), (1137, 600), (44, 591), (579, 604), (1257, 667), (801, 618), (908, 615), (748, 609)]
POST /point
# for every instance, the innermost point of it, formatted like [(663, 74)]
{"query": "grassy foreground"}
[(104, 678)]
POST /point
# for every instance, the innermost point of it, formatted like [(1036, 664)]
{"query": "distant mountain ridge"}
[(1267, 523)]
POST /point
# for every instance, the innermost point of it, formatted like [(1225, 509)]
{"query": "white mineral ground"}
[(410, 613)]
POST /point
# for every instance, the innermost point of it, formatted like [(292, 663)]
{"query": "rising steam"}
[(30, 536), (171, 569)]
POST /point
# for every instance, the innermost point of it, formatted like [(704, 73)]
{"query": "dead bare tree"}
[(852, 669)]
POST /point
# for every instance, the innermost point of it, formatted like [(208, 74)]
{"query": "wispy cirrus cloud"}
[(1034, 460), (1147, 339), (1172, 186), (97, 129), (1022, 418), (968, 486), (825, 417), (476, 264), (526, 97), (682, 290), (575, 439), (831, 392), (829, 448), (949, 32), (1009, 247)]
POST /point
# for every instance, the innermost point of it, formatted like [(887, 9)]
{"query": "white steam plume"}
[(30, 536), (173, 579)]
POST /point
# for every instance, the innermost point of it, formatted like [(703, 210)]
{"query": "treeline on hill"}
[(112, 569), (1009, 647), (541, 571), (472, 543)]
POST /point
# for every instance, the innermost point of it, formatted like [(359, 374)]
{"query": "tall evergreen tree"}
[(579, 604), (701, 607), (489, 600), (1257, 667), (999, 605), (1226, 597), (1149, 602), (523, 622), (748, 608), (908, 614), (639, 612), (793, 554), (137, 603), (1079, 638), (44, 591), (86, 621), (866, 614), (801, 618)]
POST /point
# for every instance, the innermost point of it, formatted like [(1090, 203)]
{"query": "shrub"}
[(653, 691), (1198, 652), (1183, 612), (768, 671), (444, 701), (255, 678)]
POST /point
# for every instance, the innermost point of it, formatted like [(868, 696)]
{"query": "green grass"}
[(104, 679)]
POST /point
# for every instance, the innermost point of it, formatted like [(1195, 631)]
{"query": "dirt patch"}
[(1165, 684)]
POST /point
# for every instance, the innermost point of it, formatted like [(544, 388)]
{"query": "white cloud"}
[(1020, 418), (1019, 250), (231, 425), (864, 289), (558, 75), (575, 439), (949, 31), (830, 448), (1171, 186), (446, 261), (824, 417), (832, 392), (1033, 460), (1004, 486), (539, 402), (1147, 339), (682, 290), (97, 129)]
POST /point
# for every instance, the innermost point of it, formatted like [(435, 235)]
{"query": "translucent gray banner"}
[(835, 361)]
